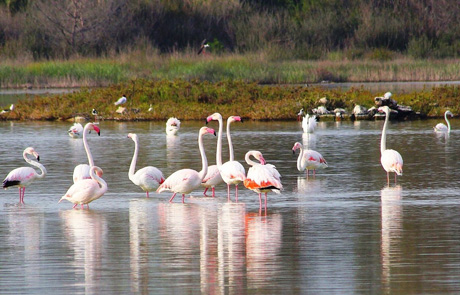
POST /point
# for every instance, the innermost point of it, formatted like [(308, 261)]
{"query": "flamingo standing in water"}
[(76, 130), (440, 127), (213, 176), (232, 172), (24, 176), (82, 171), (185, 181), (308, 159), (148, 178), (309, 123), (85, 191), (172, 126), (262, 177), (391, 160)]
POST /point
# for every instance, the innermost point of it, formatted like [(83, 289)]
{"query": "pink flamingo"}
[(262, 177), (309, 159), (213, 176), (391, 160), (148, 178), (24, 176), (232, 172), (85, 191), (82, 171), (185, 181)]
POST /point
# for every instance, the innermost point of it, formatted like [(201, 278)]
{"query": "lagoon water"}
[(343, 232)]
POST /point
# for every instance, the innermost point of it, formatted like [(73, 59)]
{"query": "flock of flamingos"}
[(261, 177)]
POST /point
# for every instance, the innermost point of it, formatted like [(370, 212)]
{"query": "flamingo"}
[(82, 171), (172, 126), (121, 100), (148, 178), (213, 176), (440, 127), (391, 160), (308, 159), (185, 181), (85, 191), (262, 177), (232, 172), (309, 123), (24, 176), (76, 130)]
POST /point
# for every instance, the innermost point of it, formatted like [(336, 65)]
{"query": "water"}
[(343, 232)]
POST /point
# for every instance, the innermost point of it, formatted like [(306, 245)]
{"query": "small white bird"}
[(172, 126), (121, 100), (440, 127), (150, 108)]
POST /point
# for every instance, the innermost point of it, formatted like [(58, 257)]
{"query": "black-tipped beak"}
[(241, 120), (99, 133), (38, 158), (293, 152), (206, 121), (214, 133)]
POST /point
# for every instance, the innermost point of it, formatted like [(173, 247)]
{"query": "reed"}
[(192, 100)]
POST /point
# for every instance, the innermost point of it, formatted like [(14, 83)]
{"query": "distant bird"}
[(262, 177), (391, 160), (8, 110), (150, 108), (232, 172), (308, 159), (321, 110), (203, 47), (121, 100), (82, 171), (213, 176), (440, 127), (185, 181), (147, 178), (172, 126), (309, 124), (24, 176), (300, 114), (76, 130), (85, 191), (94, 113)]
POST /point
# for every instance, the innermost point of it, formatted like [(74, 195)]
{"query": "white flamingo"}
[(121, 100), (24, 176), (82, 171), (85, 191), (232, 172), (213, 176), (440, 127), (262, 177), (147, 178), (309, 123), (308, 159), (391, 160), (76, 130), (185, 181), (172, 126)]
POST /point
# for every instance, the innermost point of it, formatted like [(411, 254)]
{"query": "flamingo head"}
[(63, 198), (205, 130), (31, 151), (232, 119), (215, 116), (93, 126), (296, 146), (99, 172), (259, 157), (449, 113), (133, 136)]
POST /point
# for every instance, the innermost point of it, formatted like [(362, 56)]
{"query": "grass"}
[(192, 99)]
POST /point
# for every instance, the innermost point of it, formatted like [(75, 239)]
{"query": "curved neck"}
[(132, 167), (229, 138), (447, 121), (248, 160), (85, 143), (36, 164), (204, 161), (383, 140), (299, 159), (100, 181), (219, 144)]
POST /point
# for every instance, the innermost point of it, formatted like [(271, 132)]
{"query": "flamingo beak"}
[(262, 161)]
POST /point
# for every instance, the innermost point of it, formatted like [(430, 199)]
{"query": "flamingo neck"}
[(447, 121), (100, 181), (299, 159), (229, 138), (132, 167), (204, 160), (219, 144), (383, 140), (36, 164), (248, 160), (85, 144)]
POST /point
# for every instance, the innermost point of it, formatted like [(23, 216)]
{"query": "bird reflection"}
[(307, 186), (309, 140), (231, 248), (172, 150), (442, 137), (391, 229), (263, 244), (85, 231)]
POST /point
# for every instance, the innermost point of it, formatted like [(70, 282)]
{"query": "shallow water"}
[(343, 232)]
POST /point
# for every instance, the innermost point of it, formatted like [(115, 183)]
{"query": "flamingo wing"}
[(182, 181), (81, 172), (441, 127), (149, 178), (232, 172), (82, 191), (392, 161), (263, 178), (22, 176), (213, 176)]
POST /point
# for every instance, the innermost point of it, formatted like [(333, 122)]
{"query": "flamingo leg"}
[(388, 178), (74, 206), (265, 203), (183, 198), (314, 173), (260, 201), (213, 192), (147, 193), (308, 172), (236, 193), (87, 206), (205, 190), (22, 195), (170, 200), (82, 206)]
